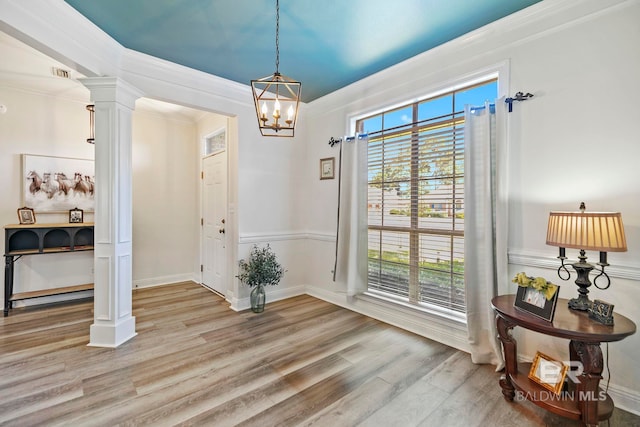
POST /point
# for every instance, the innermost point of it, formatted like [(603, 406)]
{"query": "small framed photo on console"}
[(602, 312), (547, 372), (26, 216), (76, 216), (536, 302)]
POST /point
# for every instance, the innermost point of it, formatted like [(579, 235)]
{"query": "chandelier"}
[(276, 97)]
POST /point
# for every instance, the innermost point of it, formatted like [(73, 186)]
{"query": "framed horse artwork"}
[(57, 184)]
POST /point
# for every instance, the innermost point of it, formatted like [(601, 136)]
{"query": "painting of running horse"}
[(57, 184)]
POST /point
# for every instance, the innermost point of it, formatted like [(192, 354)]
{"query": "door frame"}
[(230, 222)]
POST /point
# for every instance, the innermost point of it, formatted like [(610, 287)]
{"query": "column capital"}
[(112, 89)]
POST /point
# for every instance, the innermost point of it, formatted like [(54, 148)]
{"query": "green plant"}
[(262, 268)]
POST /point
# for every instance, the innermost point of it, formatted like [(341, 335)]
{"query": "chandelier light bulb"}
[(276, 109)]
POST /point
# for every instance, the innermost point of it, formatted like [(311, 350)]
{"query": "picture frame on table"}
[(327, 167), (533, 301), (548, 372), (26, 215), (76, 216)]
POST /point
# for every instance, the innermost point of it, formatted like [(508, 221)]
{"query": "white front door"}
[(214, 208)]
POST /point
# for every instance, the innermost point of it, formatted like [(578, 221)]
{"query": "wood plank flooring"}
[(303, 362)]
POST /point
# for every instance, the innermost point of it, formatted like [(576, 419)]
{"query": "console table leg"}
[(8, 283), (590, 355), (510, 349)]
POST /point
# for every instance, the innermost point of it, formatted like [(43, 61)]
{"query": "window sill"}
[(427, 309)]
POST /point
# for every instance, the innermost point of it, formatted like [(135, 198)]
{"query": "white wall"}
[(41, 125), (576, 140), (165, 194), (165, 189)]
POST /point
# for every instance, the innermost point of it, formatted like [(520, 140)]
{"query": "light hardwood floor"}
[(195, 362)]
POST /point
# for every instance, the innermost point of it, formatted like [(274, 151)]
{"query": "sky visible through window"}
[(434, 107)]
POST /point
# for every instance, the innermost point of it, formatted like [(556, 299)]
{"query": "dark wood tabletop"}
[(567, 323)]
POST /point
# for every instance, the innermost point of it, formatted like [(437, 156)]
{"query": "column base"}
[(112, 335)]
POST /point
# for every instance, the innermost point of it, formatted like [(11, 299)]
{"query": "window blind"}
[(416, 211)]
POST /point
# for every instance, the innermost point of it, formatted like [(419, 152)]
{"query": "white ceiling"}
[(24, 68)]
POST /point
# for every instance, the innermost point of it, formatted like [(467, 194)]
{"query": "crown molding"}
[(59, 31), (168, 81)]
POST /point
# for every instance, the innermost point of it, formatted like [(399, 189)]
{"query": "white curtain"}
[(486, 225), (351, 236)]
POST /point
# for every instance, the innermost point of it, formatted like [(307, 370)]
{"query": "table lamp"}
[(596, 231)]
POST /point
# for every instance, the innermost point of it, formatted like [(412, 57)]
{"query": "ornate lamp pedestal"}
[(583, 268)]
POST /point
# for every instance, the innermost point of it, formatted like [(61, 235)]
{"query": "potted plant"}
[(262, 269)]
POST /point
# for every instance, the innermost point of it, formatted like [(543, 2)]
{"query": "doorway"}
[(214, 211)]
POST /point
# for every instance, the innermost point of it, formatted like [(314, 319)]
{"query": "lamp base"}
[(581, 303), (583, 268)]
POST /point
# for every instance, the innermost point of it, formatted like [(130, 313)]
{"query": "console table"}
[(35, 239), (585, 401)]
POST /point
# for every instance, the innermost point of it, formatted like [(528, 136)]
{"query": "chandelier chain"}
[(277, 39), (276, 97)]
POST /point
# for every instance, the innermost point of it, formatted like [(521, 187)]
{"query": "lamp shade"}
[(600, 231)]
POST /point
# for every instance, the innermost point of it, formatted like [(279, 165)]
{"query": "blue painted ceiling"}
[(324, 44)]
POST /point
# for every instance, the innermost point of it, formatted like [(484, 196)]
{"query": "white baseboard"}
[(163, 280), (624, 398), (240, 304)]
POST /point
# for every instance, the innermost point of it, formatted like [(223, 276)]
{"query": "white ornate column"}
[(113, 322)]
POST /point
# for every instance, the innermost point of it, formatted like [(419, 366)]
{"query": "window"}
[(416, 198), (215, 142)]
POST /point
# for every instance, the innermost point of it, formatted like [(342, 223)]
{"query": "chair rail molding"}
[(543, 260)]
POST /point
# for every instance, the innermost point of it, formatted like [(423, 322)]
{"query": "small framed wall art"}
[(26, 215), (327, 168)]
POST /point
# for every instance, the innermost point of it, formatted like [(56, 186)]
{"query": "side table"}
[(585, 402)]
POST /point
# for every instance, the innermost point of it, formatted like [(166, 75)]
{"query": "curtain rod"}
[(518, 97), (333, 141)]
